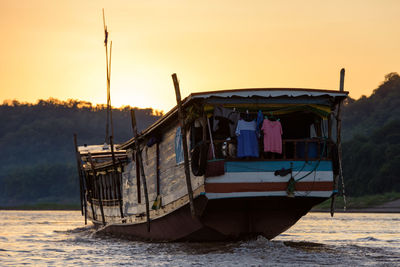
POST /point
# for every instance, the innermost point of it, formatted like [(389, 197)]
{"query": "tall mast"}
[(108, 78)]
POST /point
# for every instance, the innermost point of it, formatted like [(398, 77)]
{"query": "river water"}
[(55, 238)]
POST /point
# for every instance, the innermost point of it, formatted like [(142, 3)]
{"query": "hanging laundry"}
[(225, 121), (272, 136), (247, 142), (260, 119), (178, 146)]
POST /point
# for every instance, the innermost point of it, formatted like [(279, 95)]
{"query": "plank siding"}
[(172, 175)]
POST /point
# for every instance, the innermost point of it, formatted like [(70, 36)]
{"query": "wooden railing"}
[(292, 149), (106, 186), (302, 149)]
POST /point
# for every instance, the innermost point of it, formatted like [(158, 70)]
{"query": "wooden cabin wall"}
[(109, 211), (150, 170), (129, 191), (172, 175)]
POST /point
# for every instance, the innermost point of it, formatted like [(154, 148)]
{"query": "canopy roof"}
[(269, 92), (251, 96), (97, 149)]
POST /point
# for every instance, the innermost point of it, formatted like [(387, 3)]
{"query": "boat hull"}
[(221, 220)]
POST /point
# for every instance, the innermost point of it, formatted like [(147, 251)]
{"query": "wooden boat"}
[(225, 194)]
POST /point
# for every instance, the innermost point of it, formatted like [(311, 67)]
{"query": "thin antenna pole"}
[(109, 65), (109, 92), (104, 21)]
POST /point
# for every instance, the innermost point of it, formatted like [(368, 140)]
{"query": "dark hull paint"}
[(222, 219)]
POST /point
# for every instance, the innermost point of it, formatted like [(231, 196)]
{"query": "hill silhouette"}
[(36, 140), (368, 114), (371, 151)]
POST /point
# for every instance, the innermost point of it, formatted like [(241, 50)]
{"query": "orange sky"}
[(55, 48)]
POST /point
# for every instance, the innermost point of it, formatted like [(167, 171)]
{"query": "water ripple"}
[(59, 238)]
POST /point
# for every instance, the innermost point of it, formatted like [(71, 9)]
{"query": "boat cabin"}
[(249, 149)]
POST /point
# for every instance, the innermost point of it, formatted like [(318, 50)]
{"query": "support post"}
[(158, 167), (118, 177), (139, 196), (82, 188), (91, 193), (341, 85), (139, 157), (339, 145), (98, 189), (184, 143)]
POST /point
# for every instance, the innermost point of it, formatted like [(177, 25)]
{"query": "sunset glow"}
[(55, 48)]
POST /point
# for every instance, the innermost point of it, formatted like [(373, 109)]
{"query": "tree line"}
[(371, 150), (37, 151)]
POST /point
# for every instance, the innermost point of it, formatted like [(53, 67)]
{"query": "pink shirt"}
[(272, 136)]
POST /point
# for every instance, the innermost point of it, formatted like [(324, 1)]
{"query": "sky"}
[(56, 49)]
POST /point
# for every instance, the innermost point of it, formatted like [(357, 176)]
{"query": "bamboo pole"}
[(184, 143), (98, 189), (339, 139), (142, 174), (158, 167), (117, 174), (108, 79), (109, 92), (139, 196), (339, 145), (107, 76), (85, 195)]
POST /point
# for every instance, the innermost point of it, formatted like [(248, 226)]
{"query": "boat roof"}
[(257, 93), (97, 149), (269, 92)]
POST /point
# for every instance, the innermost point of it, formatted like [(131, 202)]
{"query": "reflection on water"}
[(59, 237)]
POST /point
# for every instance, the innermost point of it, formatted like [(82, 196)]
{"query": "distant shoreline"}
[(43, 206), (369, 210), (392, 206)]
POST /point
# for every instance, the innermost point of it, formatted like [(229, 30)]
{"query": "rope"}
[(316, 165)]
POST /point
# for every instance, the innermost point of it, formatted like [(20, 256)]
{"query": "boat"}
[(220, 165)]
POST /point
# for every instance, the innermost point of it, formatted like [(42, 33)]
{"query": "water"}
[(54, 238)]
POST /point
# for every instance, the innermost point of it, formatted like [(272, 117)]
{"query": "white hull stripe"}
[(259, 177)]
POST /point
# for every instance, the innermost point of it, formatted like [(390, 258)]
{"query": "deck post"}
[(341, 85), (91, 194), (142, 174), (117, 175), (158, 167), (184, 144), (98, 189), (82, 188), (139, 196)]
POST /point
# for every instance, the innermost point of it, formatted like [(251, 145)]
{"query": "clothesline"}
[(320, 110)]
